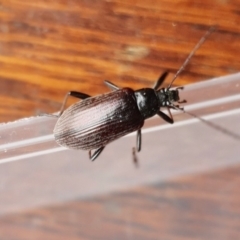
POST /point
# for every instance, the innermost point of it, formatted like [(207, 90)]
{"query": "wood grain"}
[(50, 47), (205, 206)]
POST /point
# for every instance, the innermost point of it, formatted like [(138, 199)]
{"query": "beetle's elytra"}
[(93, 122)]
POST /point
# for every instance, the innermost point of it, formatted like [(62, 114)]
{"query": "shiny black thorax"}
[(149, 101)]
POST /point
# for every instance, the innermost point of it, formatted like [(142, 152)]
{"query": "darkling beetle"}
[(96, 121)]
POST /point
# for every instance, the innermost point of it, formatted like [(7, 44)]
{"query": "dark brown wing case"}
[(97, 121)]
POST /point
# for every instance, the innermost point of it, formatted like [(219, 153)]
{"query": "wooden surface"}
[(50, 47), (198, 207)]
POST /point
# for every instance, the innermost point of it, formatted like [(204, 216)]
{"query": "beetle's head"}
[(168, 97)]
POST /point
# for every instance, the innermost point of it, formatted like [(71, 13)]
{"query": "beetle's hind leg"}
[(138, 147), (95, 154), (72, 94)]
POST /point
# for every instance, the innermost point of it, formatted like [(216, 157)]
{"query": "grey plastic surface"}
[(35, 171)]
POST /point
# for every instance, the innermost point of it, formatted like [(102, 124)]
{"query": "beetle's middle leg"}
[(138, 147), (95, 154)]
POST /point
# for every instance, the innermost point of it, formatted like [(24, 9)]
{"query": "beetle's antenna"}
[(201, 41), (211, 124)]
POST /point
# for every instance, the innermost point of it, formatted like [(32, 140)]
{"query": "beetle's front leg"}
[(165, 116), (160, 81)]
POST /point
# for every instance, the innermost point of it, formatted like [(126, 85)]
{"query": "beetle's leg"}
[(138, 147), (95, 154), (160, 80), (135, 159), (139, 140), (71, 93), (170, 114), (165, 116), (48, 115), (112, 86), (176, 107)]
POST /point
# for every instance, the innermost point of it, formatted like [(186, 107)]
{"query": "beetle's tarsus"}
[(95, 154), (135, 159), (112, 86), (48, 115)]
